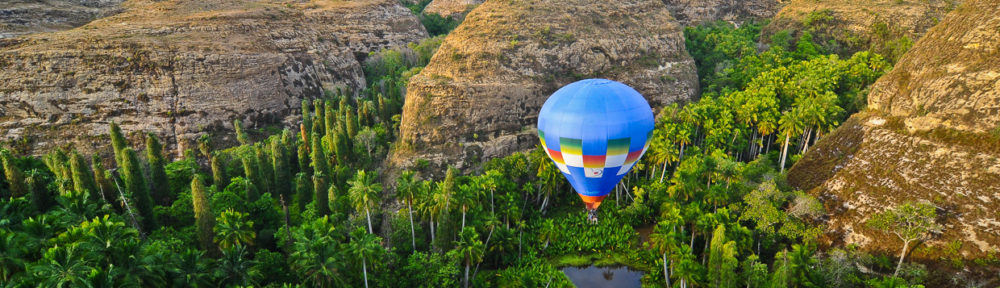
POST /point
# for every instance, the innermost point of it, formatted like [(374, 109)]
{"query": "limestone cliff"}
[(925, 139), (479, 97), (694, 12), (859, 25), (19, 17), (451, 8), (179, 68)]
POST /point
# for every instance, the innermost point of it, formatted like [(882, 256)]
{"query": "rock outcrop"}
[(932, 135), (694, 12), (19, 17), (859, 25), (452, 8), (180, 68), (479, 97)]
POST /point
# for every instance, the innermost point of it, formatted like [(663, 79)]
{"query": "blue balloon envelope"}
[(595, 130)]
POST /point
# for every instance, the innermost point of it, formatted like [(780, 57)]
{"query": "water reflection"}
[(610, 276)]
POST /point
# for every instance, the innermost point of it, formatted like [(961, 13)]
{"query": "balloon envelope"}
[(595, 130)]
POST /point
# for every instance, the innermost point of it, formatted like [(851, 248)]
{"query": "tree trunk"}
[(664, 172), (465, 281), (666, 276), (805, 146), (369, 216), (432, 230), (906, 244), (288, 227), (691, 245), (364, 268), (784, 151), (413, 233), (486, 245), (463, 218), (545, 202)]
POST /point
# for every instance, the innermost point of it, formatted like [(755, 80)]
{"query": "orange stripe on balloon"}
[(593, 161), (556, 156), (592, 201)]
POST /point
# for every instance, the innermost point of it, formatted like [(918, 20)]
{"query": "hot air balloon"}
[(595, 130)]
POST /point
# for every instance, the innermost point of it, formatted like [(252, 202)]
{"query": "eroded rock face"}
[(20, 17), (858, 25), (452, 8), (952, 79), (181, 68), (479, 97), (923, 141), (694, 12)]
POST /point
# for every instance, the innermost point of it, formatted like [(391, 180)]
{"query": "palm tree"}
[(490, 181), (687, 270), (317, 256), (364, 193), (665, 241), (63, 267), (429, 204), (465, 197), (790, 123), (549, 177), (471, 250), (11, 254), (365, 246), (236, 267), (193, 270), (233, 228), (406, 190), (547, 232)]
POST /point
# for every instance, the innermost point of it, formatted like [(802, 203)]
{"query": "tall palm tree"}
[(789, 124), (663, 241), (318, 254), (465, 197), (233, 228), (365, 246), (490, 181), (364, 193), (549, 176), (406, 190), (471, 250), (428, 205)]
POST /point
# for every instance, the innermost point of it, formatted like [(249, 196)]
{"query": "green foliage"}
[(157, 171), (240, 135), (428, 270), (204, 218), (437, 25), (219, 179), (15, 177), (137, 187), (83, 178), (364, 193), (118, 142), (233, 229)]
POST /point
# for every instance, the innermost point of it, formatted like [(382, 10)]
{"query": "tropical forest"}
[(410, 143)]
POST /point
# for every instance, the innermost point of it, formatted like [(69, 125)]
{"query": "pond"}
[(610, 276)]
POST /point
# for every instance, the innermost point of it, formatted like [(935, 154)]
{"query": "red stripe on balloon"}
[(556, 156), (632, 156), (593, 161)]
